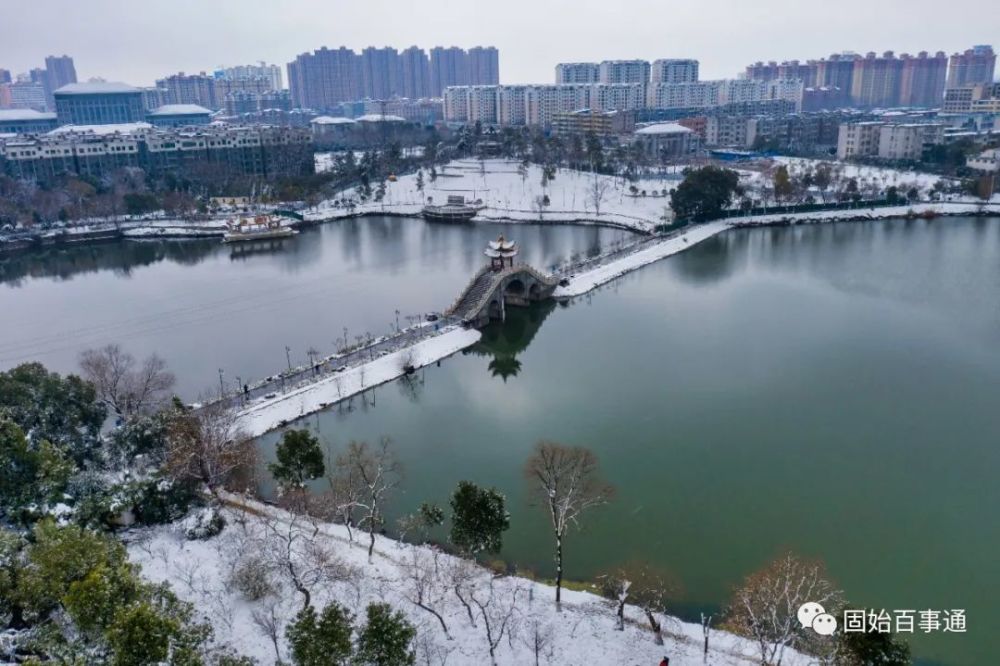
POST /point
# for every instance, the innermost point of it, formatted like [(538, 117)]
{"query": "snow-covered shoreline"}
[(582, 632), (270, 414)]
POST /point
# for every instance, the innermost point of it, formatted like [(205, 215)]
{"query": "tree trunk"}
[(656, 627), (559, 569)]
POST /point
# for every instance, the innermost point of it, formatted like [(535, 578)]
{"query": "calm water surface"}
[(204, 306), (833, 390)]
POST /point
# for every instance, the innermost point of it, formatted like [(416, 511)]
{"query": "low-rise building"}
[(987, 161), (179, 115), (100, 103), (601, 123), (667, 140), (26, 121), (858, 139)]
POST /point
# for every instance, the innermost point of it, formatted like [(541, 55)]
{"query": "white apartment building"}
[(624, 71), (674, 70), (684, 95), (456, 104), (513, 105), (901, 142), (578, 72), (483, 103), (858, 139), (537, 104)]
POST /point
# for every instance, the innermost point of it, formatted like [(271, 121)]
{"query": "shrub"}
[(204, 523), (252, 578)]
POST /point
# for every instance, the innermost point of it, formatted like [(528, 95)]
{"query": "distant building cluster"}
[(34, 89), (248, 87), (326, 78), (881, 81)]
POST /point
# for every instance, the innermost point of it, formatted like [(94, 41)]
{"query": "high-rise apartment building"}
[(415, 69), (324, 78), (23, 95), (975, 65), (624, 71), (184, 88), (61, 71), (449, 67), (5, 76), (674, 70), (922, 79), (484, 66), (261, 70), (876, 80), (578, 72), (381, 76)]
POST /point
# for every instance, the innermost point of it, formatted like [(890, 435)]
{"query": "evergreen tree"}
[(704, 193), (478, 518), (300, 459), (321, 641), (782, 183), (386, 638)]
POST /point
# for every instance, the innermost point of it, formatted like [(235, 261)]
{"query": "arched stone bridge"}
[(490, 291)]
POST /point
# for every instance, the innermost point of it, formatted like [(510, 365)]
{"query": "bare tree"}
[(596, 192), (126, 386), (377, 473), (765, 608), (296, 548), (565, 480), (538, 638), (207, 445), (497, 608), (462, 575), (615, 585), (421, 583), (270, 621)]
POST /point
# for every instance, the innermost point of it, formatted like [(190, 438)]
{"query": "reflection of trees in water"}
[(503, 341), (712, 260), (64, 262)]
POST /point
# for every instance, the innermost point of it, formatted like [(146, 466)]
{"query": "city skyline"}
[(135, 43)]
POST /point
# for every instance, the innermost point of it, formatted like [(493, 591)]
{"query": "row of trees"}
[(566, 483)]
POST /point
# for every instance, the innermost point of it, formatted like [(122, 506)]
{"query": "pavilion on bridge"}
[(501, 253)]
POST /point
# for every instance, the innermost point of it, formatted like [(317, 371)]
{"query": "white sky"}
[(137, 41)]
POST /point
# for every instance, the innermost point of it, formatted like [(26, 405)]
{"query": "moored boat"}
[(258, 227), (455, 210)]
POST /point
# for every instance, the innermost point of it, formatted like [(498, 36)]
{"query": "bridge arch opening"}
[(515, 287), (535, 292)]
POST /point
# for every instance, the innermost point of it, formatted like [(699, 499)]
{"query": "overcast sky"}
[(138, 41)]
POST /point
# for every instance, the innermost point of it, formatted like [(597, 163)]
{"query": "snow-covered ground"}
[(338, 569), (268, 414), (510, 195), (875, 176)]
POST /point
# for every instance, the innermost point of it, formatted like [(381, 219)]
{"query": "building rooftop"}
[(122, 128), (379, 118), (24, 114), (663, 128), (179, 110), (332, 120), (96, 87)]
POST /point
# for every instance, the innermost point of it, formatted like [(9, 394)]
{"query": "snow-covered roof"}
[(664, 128), (122, 128), (378, 118), (96, 87), (180, 110), (332, 120), (25, 114)]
